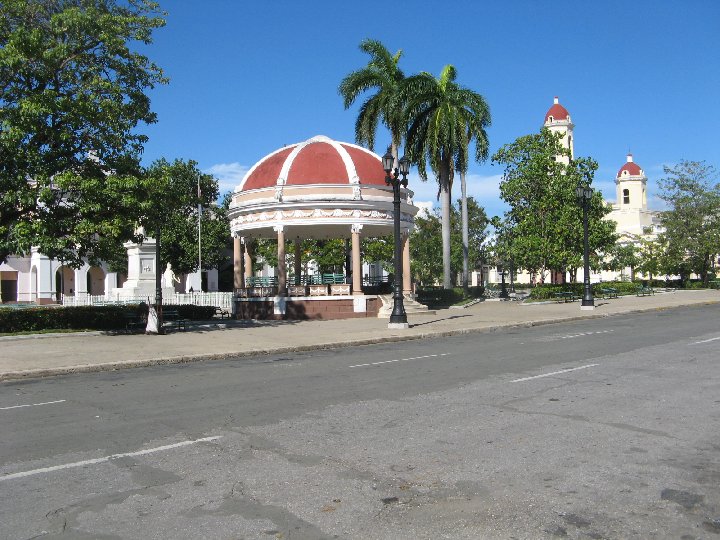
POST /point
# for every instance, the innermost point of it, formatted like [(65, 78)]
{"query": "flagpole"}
[(199, 232)]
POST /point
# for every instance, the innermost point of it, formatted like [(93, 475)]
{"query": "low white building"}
[(39, 279)]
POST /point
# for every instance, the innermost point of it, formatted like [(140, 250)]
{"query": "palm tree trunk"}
[(464, 217), (445, 205)]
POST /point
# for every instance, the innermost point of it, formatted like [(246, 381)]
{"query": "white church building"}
[(629, 211)]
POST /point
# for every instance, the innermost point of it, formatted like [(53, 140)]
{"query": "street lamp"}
[(503, 288), (584, 194), (396, 178)]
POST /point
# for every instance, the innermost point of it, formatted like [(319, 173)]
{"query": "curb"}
[(170, 360)]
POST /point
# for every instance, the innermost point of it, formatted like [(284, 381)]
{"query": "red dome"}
[(557, 111), (632, 168), (319, 160)]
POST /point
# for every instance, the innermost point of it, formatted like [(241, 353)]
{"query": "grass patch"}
[(46, 331)]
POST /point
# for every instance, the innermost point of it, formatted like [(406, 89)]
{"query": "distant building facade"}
[(629, 211)]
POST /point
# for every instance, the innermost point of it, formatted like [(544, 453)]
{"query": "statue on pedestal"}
[(169, 279)]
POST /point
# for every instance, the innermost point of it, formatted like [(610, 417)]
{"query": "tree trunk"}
[(465, 234), (445, 205), (394, 151)]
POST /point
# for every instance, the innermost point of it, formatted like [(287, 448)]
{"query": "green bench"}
[(608, 292), (133, 321), (645, 291), (565, 296), (172, 317), (331, 279), (261, 281)]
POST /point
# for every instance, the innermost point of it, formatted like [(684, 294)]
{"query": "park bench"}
[(221, 312), (133, 321), (608, 292), (172, 317), (261, 281), (645, 291), (565, 296), (333, 278)]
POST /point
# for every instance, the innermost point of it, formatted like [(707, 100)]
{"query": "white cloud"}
[(229, 175), (424, 206)]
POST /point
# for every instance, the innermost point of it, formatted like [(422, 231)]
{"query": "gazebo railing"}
[(261, 281)]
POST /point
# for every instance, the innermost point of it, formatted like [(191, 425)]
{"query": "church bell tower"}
[(557, 120)]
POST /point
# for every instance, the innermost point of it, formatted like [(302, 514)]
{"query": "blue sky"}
[(250, 77)]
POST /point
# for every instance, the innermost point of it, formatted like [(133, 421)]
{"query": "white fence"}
[(218, 299)]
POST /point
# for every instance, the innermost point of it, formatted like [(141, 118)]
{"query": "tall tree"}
[(692, 222), (425, 242), (442, 117), (383, 75), (545, 219), (169, 200), (72, 95)]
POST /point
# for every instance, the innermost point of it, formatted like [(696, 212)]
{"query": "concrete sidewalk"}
[(53, 354)]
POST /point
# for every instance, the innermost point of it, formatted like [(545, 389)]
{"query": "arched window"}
[(626, 196)]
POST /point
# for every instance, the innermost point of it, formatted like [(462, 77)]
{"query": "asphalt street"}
[(605, 428)]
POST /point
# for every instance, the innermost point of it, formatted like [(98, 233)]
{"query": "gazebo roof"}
[(318, 188), (319, 160)]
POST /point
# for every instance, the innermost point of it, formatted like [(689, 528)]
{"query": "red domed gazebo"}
[(320, 189)]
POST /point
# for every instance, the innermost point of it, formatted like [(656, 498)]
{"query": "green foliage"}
[(426, 243), (193, 312), (691, 237), (543, 229), (623, 255), (380, 249), (647, 255), (442, 118), (383, 75), (72, 95), (547, 290), (435, 297), (167, 197), (329, 255), (86, 317), (426, 261), (75, 318)]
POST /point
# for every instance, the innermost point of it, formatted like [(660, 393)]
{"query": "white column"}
[(80, 278), (247, 257), (356, 260), (281, 268), (237, 263)]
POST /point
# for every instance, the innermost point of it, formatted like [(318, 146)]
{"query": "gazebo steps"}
[(411, 306)]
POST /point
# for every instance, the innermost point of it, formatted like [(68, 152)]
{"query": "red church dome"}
[(557, 112), (632, 168), (319, 160)]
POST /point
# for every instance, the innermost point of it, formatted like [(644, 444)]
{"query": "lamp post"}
[(158, 282), (199, 211), (503, 288), (584, 194), (397, 178)]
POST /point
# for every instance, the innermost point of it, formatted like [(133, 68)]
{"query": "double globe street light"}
[(584, 195), (397, 177)]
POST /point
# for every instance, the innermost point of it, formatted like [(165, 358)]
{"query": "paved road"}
[(604, 428)]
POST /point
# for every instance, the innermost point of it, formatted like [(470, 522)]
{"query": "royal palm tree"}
[(382, 74), (443, 117)]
